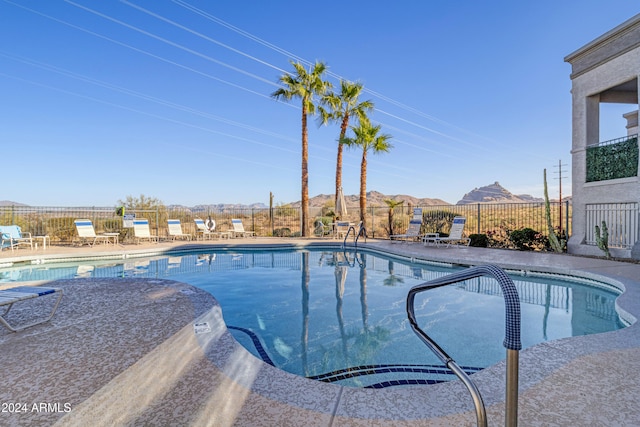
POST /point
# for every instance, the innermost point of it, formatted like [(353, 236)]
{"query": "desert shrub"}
[(527, 239), (479, 240), (436, 221), (282, 232), (499, 238)]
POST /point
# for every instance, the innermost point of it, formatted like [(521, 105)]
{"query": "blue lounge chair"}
[(141, 230), (175, 230), (455, 234), (8, 297), (238, 229), (413, 232), (13, 237)]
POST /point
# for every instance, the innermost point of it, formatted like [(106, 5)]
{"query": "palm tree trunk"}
[(363, 189), (305, 174), (343, 132)]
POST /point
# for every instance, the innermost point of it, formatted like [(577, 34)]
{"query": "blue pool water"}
[(340, 317)]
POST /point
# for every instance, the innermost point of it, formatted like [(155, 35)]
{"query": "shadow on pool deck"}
[(124, 352)]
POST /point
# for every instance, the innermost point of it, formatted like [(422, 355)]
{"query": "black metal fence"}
[(493, 219)]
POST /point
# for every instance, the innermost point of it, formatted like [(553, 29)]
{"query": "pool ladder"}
[(361, 231), (511, 341)]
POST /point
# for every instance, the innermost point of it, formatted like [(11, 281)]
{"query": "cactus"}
[(603, 240), (556, 244)]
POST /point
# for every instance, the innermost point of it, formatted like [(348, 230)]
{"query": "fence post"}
[(157, 223), (373, 224), (478, 218), (566, 218)]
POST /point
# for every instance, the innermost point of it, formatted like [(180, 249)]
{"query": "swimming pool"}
[(340, 316)]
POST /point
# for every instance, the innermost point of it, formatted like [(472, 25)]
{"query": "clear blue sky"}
[(171, 99)]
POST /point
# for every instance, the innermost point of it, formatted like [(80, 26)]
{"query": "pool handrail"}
[(511, 341), (361, 230)]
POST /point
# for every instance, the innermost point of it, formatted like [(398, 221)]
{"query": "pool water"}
[(341, 316)]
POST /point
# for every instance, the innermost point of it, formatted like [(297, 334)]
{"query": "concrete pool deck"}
[(124, 352)]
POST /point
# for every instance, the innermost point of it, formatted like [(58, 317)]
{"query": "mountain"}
[(495, 193), (219, 207), (374, 198), (10, 203)]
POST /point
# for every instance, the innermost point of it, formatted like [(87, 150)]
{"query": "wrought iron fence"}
[(622, 221), (499, 218)]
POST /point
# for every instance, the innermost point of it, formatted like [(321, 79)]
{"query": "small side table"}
[(112, 237), (44, 241), (430, 238)]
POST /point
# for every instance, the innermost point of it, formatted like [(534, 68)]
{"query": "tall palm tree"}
[(305, 85), (340, 108), (366, 137)]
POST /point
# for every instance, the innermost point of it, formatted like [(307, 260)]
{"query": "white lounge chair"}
[(13, 237), (238, 229), (455, 234), (175, 230), (141, 230), (8, 297), (413, 232), (87, 233)]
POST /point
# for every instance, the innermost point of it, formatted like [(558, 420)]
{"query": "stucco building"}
[(605, 181)]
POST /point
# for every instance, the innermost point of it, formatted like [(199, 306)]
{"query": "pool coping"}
[(329, 404)]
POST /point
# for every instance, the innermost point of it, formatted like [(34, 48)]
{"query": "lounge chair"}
[(8, 297), (238, 229), (455, 234), (141, 230), (175, 230), (13, 237), (87, 233), (413, 232), (320, 229)]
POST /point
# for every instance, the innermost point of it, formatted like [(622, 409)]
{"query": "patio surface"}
[(124, 352)]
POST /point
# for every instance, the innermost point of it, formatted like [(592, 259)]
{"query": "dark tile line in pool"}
[(358, 371), (256, 343)]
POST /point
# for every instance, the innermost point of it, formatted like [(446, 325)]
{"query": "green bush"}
[(479, 240), (527, 239), (436, 221), (282, 232)]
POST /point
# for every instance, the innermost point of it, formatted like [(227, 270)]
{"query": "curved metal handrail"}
[(361, 229), (511, 341), (361, 232)]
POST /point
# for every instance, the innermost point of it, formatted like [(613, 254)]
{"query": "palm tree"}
[(367, 138), (341, 107), (392, 206), (305, 85)]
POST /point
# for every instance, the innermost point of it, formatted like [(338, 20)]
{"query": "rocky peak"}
[(495, 193)]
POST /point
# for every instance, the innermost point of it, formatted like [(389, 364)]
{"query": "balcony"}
[(617, 158)]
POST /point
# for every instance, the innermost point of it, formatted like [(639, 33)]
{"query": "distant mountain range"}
[(493, 193)]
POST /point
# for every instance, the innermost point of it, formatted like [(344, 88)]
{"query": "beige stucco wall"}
[(588, 83)]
